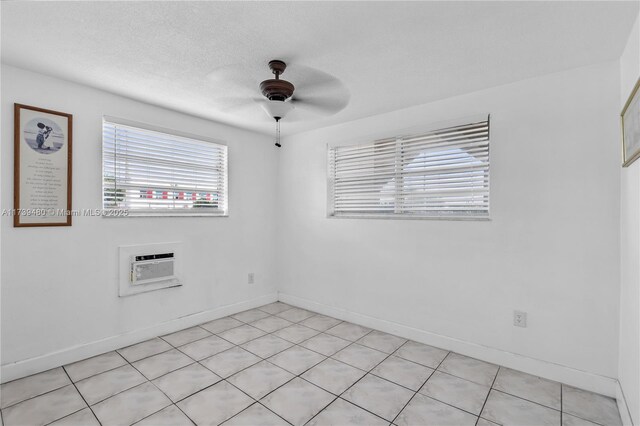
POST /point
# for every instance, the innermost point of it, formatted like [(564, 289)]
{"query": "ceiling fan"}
[(314, 95), (277, 91)]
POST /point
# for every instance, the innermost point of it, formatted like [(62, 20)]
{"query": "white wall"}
[(59, 284), (629, 362), (551, 247)]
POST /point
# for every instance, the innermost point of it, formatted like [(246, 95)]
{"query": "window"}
[(441, 173), (149, 172)]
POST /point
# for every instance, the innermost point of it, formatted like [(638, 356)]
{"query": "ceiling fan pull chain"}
[(278, 132)]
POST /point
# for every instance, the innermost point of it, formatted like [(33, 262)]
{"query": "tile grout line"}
[(167, 396), (449, 404), (336, 397), (81, 396), (323, 408), (146, 357), (262, 397), (363, 376), (225, 378), (489, 393), (36, 396), (180, 331), (71, 414), (530, 401), (67, 374), (93, 375), (465, 379), (247, 341), (434, 370), (272, 390), (255, 401), (152, 414), (119, 392), (271, 411), (571, 414), (322, 332), (46, 393), (307, 369), (357, 381), (416, 392), (443, 402), (193, 393), (491, 387), (168, 372)]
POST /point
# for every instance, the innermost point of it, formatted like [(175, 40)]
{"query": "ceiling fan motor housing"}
[(275, 89)]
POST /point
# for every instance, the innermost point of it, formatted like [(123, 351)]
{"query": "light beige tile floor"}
[(279, 365)]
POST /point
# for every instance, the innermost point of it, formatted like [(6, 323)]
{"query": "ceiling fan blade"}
[(238, 79), (321, 105), (311, 80), (232, 104), (313, 83)]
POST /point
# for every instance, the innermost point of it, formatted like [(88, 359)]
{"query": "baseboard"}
[(45, 362), (548, 370), (625, 414)]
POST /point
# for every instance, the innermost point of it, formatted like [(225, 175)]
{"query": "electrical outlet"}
[(251, 278), (519, 319)]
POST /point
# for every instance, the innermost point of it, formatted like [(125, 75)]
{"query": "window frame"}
[(403, 134), (169, 212)]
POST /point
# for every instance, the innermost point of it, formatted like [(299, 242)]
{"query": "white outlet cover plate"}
[(519, 318)]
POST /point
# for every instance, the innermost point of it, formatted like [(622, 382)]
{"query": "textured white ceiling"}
[(388, 55)]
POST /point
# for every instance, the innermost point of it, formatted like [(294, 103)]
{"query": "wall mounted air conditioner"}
[(149, 267)]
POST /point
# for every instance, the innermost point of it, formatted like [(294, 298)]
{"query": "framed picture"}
[(42, 167), (630, 118)]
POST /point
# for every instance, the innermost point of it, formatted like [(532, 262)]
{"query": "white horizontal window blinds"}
[(148, 172), (442, 173)]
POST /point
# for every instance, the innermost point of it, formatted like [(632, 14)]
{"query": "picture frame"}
[(630, 124), (43, 141)]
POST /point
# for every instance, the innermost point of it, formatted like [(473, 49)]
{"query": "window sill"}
[(486, 218), (118, 215)]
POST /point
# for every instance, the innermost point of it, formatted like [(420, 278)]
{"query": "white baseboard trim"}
[(625, 414), (548, 370), (65, 356)]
